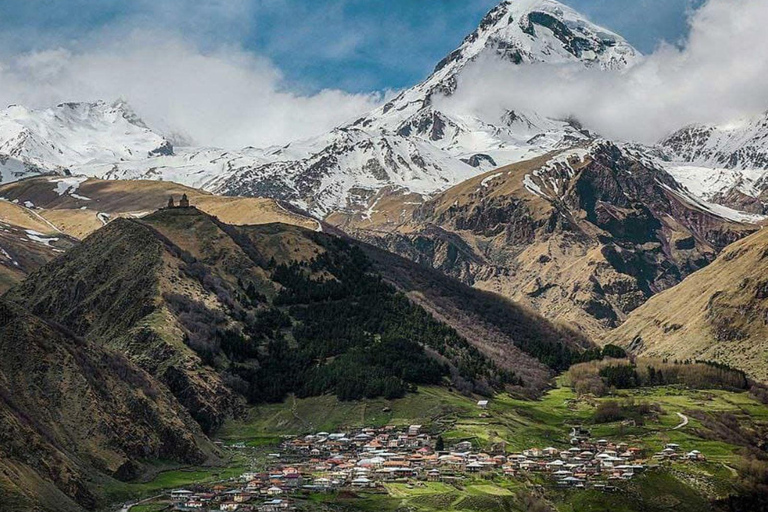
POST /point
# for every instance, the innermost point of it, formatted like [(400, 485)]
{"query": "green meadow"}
[(518, 424)]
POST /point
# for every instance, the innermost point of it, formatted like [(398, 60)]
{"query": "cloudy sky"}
[(354, 45), (259, 72)]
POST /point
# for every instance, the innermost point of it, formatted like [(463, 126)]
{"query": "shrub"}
[(611, 410)]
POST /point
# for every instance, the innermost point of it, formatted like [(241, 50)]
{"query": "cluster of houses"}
[(369, 457), (672, 452), (224, 497)]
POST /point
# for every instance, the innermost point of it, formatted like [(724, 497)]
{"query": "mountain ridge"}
[(583, 235), (408, 143)]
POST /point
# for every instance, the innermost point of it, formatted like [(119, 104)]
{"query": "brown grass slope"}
[(27, 242), (604, 233), (79, 217), (73, 414), (719, 313)]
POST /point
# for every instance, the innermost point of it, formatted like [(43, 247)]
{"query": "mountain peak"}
[(527, 31), (78, 133)]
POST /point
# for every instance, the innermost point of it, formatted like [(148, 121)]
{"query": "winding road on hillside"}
[(682, 423)]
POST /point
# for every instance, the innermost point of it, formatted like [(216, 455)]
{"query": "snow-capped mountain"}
[(408, 143), (725, 164), (75, 134), (742, 144)]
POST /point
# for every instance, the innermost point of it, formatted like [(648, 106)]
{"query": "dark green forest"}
[(334, 327)]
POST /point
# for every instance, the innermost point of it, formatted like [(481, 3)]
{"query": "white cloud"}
[(717, 76), (225, 97)]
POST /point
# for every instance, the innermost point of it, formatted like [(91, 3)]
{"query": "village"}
[(367, 459)]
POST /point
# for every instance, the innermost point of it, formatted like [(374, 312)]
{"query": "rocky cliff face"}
[(585, 235), (72, 413)]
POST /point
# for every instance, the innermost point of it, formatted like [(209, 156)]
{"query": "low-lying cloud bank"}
[(225, 97), (719, 75)]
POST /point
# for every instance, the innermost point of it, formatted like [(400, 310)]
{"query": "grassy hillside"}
[(72, 414), (520, 423), (718, 314)]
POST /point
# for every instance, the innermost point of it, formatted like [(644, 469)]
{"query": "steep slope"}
[(717, 314), (73, 415), (212, 310), (413, 142), (27, 242), (725, 164), (78, 205), (584, 235)]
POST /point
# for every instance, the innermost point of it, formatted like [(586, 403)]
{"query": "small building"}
[(181, 495), (275, 505), (482, 404), (362, 482), (463, 446), (474, 467), (550, 451)]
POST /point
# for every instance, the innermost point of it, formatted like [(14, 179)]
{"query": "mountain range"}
[(417, 142), (541, 210), (408, 143), (419, 244)]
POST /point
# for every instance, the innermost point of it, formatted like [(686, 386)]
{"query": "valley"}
[(520, 424), (217, 314), (443, 302)]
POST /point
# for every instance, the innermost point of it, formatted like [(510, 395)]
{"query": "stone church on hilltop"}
[(183, 202)]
